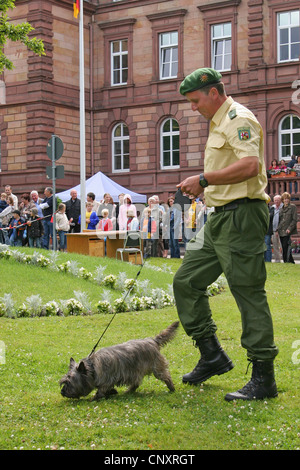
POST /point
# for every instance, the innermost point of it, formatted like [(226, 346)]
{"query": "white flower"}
[(73, 307), (103, 306)]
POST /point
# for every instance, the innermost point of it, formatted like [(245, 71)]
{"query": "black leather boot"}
[(262, 384), (213, 361)]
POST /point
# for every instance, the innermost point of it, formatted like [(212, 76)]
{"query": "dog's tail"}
[(167, 335)]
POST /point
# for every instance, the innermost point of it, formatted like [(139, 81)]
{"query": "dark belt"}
[(231, 206)]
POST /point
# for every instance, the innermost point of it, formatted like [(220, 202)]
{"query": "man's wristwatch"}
[(203, 181)]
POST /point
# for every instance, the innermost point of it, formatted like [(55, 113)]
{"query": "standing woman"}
[(5, 218), (287, 226), (174, 218)]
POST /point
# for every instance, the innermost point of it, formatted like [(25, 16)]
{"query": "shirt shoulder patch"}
[(244, 133)]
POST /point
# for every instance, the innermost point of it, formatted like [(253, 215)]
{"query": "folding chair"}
[(132, 245)]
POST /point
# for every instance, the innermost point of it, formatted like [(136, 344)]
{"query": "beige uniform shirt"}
[(234, 133)]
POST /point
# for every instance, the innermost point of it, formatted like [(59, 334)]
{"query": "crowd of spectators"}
[(164, 226)]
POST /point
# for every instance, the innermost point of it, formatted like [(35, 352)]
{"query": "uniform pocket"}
[(247, 269), (249, 224), (218, 142)]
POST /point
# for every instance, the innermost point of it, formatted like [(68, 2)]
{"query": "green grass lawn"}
[(37, 351)]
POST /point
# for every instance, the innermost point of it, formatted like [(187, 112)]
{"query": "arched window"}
[(289, 136), (169, 144), (120, 148)]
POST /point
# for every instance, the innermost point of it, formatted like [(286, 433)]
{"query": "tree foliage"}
[(13, 32)]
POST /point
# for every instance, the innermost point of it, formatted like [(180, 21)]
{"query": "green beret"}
[(199, 79)]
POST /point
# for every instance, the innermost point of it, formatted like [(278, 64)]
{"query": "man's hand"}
[(239, 171), (191, 186)]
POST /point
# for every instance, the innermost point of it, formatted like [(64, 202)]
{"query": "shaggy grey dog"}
[(122, 364)]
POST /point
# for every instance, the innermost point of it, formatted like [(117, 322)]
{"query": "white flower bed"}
[(137, 295)]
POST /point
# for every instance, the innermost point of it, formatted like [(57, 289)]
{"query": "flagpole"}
[(82, 120)]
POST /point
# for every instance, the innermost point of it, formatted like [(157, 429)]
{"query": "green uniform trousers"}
[(231, 242)]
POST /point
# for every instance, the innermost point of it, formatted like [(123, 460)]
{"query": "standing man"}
[(34, 195), (8, 191), (91, 197), (275, 237), (231, 241), (121, 200), (47, 208), (73, 209)]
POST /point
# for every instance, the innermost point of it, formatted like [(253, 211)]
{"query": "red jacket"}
[(105, 225)]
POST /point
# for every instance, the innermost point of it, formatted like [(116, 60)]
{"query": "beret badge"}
[(203, 78)]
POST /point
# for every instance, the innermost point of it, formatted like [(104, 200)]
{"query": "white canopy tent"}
[(99, 184)]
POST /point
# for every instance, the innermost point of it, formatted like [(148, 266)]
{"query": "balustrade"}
[(279, 184)]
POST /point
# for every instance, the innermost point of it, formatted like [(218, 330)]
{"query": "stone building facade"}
[(139, 130)]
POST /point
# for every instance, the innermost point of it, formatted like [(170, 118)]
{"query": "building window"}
[(288, 33), (118, 45), (168, 43), (169, 144), (289, 136), (119, 62), (221, 46), (120, 148), (220, 21)]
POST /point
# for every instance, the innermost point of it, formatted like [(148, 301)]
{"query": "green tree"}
[(15, 33)]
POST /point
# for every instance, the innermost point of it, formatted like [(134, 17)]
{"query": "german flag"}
[(76, 7)]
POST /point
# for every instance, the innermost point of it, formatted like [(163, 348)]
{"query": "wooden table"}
[(91, 242)]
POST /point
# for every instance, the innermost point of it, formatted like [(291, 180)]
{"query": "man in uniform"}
[(231, 241)]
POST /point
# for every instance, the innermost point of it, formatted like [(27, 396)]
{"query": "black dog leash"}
[(125, 296)]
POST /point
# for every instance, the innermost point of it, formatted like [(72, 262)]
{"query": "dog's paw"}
[(113, 391)]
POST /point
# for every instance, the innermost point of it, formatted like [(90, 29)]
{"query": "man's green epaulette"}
[(232, 114)]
